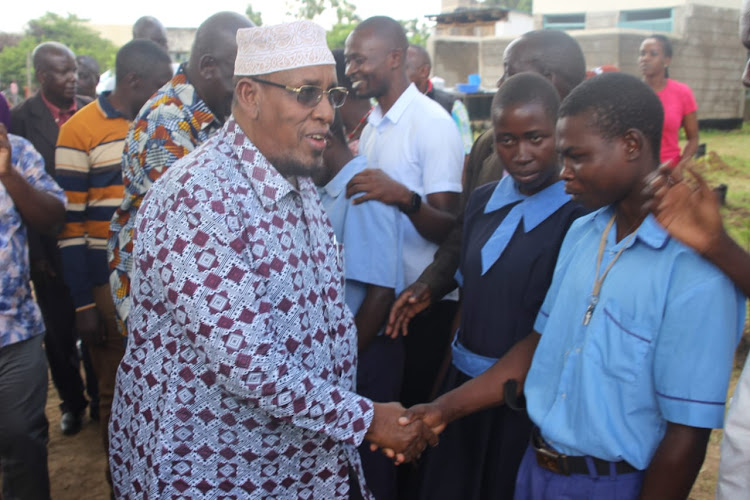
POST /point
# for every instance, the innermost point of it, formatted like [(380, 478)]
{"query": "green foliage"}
[(69, 30), (255, 17), (417, 31), (336, 36), (310, 9)]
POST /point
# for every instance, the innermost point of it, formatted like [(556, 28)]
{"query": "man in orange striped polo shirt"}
[(88, 167)]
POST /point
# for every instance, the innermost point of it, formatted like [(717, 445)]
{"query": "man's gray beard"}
[(289, 167)]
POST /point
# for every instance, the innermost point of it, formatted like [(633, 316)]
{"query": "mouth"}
[(356, 84), (318, 141)]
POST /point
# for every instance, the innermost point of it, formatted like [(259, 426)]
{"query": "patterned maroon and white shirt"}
[(238, 381)]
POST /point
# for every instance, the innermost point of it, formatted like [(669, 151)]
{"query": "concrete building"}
[(707, 54), (179, 39)]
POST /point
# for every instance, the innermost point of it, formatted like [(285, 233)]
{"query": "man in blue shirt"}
[(633, 346), (371, 237), (28, 198)]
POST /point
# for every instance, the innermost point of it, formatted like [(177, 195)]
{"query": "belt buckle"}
[(550, 460)]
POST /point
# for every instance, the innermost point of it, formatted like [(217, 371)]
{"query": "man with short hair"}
[(418, 69), (28, 198), (239, 371), (414, 159), (554, 55), (39, 119), (180, 116), (88, 76), (88, 166)]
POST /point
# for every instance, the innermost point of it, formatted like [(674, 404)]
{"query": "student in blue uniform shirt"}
[(633, 346), (513, 230), (370, 234)]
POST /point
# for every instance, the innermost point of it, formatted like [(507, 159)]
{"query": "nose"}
[(566, 171), (746, 75), (523, 153), (324, 110), (349, 69)]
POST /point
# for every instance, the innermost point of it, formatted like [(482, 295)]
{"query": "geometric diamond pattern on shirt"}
[(238, 380)]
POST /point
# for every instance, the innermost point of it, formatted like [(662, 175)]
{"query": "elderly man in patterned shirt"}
[(239, 374)]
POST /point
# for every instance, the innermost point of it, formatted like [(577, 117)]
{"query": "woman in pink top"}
[(676, 98)]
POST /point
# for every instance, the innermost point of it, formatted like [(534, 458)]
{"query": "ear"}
[(132, 80), (248, 97), (634, 143), (424, 72), (208, 67), (397, 58)]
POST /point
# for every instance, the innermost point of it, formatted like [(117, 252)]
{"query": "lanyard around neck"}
[(599, 280)]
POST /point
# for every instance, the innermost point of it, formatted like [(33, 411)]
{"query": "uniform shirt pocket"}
[(619, 344)]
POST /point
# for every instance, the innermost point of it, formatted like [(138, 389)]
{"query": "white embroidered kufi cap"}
[(266, 49)]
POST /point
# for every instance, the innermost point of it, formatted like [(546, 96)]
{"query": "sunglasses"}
[(310, 95)]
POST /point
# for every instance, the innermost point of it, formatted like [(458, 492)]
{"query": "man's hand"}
[(377, 185), (43, 268), (89, 326), (690, 214), (412, 301), (403, 442), (5, 152)]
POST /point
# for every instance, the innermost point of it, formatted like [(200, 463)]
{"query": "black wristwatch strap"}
[(414, 205)]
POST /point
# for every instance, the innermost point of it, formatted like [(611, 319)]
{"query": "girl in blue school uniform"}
[(512, 235)]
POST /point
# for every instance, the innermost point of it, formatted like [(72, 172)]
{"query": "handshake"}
[(402, 434)]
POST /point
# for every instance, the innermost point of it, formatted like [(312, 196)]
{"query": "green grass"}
[(727, 161)]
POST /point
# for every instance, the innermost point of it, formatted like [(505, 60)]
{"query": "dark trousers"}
[(23, 425), (536, 483), (57, 308), (425, 349), (379, 378)]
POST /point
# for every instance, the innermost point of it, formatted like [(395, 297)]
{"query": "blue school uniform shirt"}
[(659, 346), (371, 236)]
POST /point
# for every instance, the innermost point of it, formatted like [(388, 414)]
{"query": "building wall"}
[(572, 6), (707, 53)]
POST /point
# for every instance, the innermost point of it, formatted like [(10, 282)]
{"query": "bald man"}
[(39, 119), (150, 28), (181, 115), (418, 69), (414, 162), (556, 56)]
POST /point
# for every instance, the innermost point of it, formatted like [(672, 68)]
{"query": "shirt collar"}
[(60, 115), (537, 207), (649, 232), (106, 106), (397, 110), (337, 185), (269, 185)]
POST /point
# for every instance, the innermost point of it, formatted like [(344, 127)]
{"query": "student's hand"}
[(688, 213), (377, 185), (429, 413), (412, 301), (5, 152), (402, 442)]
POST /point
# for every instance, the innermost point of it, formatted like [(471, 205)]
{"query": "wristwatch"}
[(414, 204)]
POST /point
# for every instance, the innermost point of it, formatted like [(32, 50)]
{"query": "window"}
[(650, 20), (565, 21)]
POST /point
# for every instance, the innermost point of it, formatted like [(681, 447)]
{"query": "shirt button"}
[(563, 396), (578, 350)]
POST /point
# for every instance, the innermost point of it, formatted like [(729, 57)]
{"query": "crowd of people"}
[(288, 271)]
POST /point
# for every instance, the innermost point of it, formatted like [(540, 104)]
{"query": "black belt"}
[(549, 459)]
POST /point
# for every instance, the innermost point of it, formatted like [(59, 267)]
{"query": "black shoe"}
[(71, 422)]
